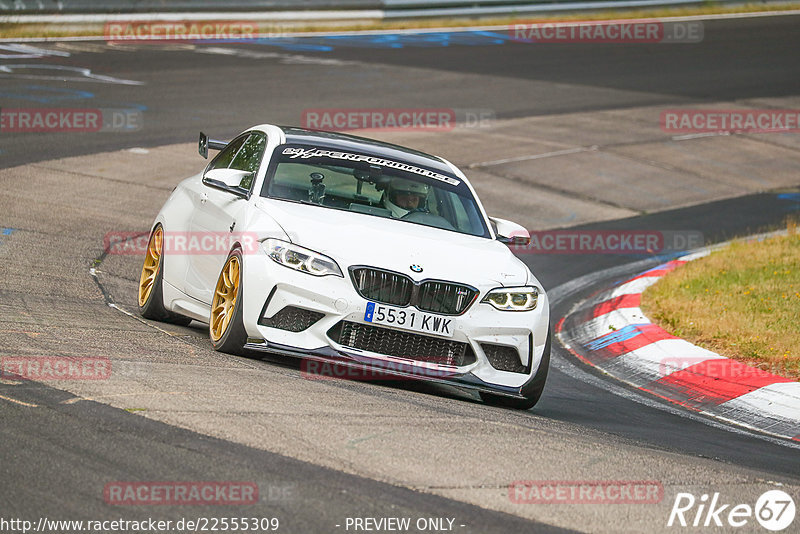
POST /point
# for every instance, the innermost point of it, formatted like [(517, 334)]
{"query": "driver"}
[(403, 196)]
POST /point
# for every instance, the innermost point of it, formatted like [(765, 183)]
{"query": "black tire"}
[(532, 389), (233, 336), (152, 306)]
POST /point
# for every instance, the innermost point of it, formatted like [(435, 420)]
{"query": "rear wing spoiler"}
[(205, 143)]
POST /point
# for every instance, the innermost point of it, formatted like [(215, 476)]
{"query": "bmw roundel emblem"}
[(416, 268)]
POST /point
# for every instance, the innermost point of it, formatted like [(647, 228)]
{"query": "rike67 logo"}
[(774, 510)]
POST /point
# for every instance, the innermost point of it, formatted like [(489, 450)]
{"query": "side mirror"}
[(228, 180), (510, 233)]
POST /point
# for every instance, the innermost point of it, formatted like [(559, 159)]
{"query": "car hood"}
[(359, 239)]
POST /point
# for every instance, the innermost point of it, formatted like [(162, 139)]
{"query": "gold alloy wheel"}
[(152, 262), (225, 298)]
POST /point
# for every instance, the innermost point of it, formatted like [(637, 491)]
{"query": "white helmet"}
[(409, 187)]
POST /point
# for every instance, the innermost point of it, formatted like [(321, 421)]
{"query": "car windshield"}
[(374, 186)]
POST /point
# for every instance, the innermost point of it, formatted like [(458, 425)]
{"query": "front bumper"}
[(269, 288)]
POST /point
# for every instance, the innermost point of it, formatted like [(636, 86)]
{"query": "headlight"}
[(513, 298), (300, 259)]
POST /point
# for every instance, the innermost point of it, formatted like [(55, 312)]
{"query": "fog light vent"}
[(503, 358), (292, 319)]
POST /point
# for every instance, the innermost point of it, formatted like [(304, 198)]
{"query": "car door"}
[(218, 215)]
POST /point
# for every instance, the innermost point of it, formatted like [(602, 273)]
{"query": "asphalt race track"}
[(573, 141)]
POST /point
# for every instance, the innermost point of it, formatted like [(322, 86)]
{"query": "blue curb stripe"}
[(623, 334)]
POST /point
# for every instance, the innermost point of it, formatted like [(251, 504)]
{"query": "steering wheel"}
[(423, 209)]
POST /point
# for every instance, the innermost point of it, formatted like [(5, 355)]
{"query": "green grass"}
[(742, 302)]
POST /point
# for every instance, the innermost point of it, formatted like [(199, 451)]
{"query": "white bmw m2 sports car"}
[(350, 251)]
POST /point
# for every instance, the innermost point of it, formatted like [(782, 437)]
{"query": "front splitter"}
[(376, 369)]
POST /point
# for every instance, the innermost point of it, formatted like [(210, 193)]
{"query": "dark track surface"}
[(77, 448), (187, 91), (738, 59)]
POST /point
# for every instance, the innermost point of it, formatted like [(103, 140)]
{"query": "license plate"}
[(409, 319)]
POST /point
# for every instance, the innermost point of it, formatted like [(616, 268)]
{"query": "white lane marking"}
[(286, 59), (15, 401), (698, 135), (533, 156), (24, 51), (83, 74)]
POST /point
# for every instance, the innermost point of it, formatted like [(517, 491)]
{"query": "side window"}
[(249, 157), (224, 158)]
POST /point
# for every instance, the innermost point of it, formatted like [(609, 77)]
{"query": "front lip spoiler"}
[(354, 361)]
